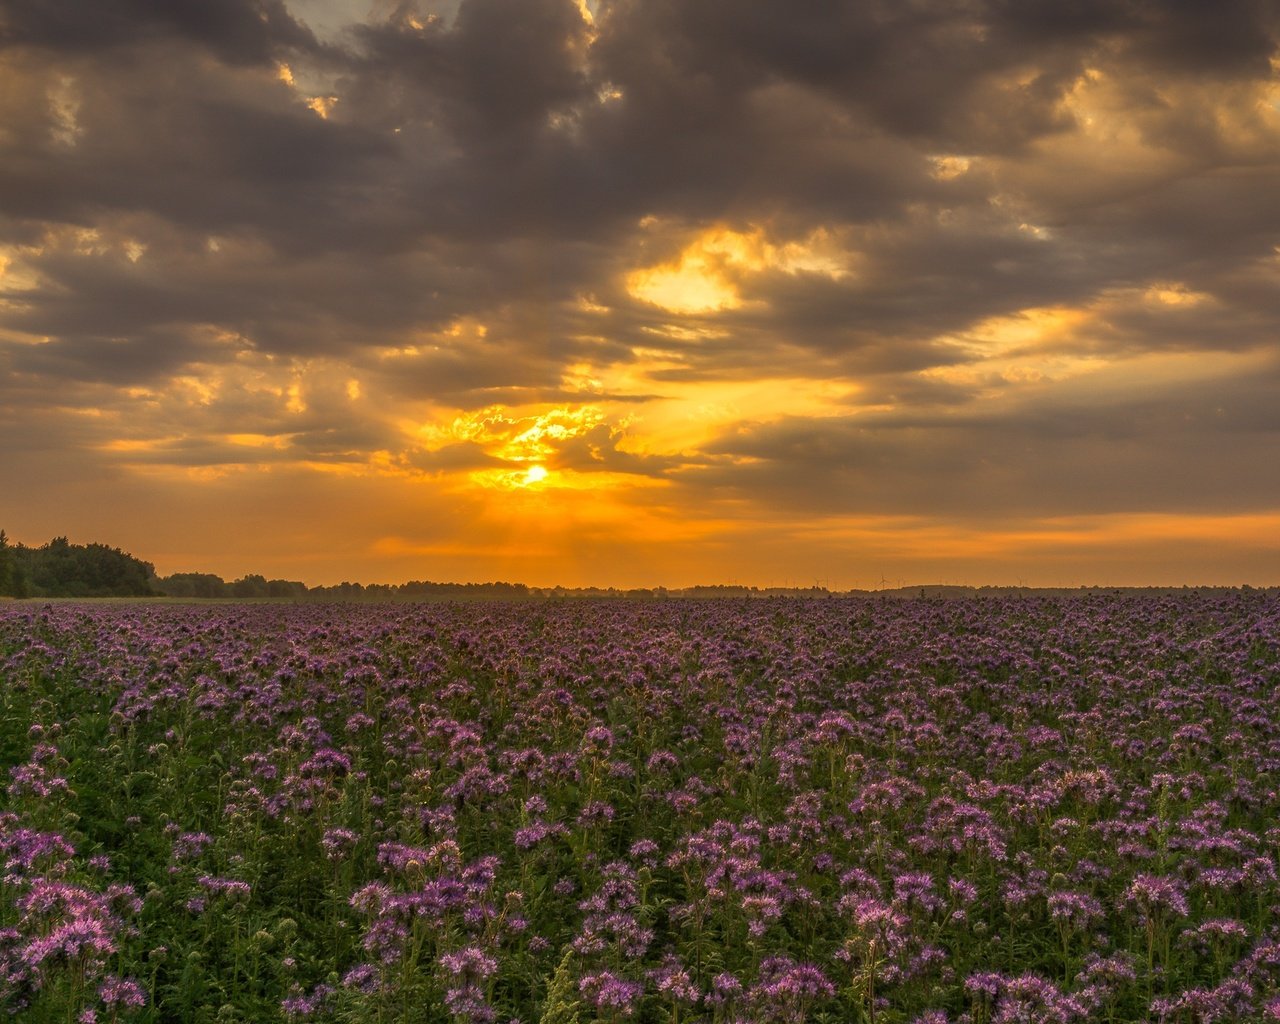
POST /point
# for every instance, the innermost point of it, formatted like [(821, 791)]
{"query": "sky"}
[(645, 292)]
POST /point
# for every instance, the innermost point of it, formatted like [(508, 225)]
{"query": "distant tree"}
[(251, 585), (8, 574), (193, 584), (63, 569), (55, 570), (286, 588)]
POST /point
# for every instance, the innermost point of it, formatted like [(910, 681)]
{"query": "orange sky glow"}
[(666, 294)]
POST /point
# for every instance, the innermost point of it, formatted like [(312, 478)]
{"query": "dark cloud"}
[(598, 450), (944, 72), (497, 71), (1189, 448), (424, 215), (237, 31), (195, 150), (1232, 38), (122, 361), (452, 458)]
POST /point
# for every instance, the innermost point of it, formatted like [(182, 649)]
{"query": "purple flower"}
[(470, 964), (466, 1002), (672, 980), (337, 843), (1153, 896), (123, 992), (361, 978), (787, 989), (605, 990), (189, 845), (1030, 999), (1074, 909), (531, 835), (725, 989), (299, 1006)]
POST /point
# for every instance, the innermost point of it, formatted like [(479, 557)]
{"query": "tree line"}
[(207, 585), (63, 569)]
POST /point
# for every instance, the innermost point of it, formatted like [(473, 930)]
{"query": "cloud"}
[(238, 31), (957, 259), (1129, 442)]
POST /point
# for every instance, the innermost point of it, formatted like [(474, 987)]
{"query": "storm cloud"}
[(717, 267)]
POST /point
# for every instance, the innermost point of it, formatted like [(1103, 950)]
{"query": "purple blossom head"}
[(337, 843), (1030, 999), (124, 993), (672, 981), (597, 740), (469, 964), (725, 990), (645, 851), (1074, 909), (606, 991), (1157, 896), (300, 1006), (787, 989), (362, 978)]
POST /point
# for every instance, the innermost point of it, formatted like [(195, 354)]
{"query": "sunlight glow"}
[(323, 105), (947, 167), (694, 284), (514, 435), (276, 441), (706, 276), (1175, 294)]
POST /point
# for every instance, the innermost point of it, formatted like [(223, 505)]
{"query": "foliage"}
[(207, 585), (62, 569), (978, 812), (12, 582)]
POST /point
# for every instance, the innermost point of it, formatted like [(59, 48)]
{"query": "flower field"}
[(987, 811)]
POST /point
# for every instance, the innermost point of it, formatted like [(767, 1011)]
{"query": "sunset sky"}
[(641, 292)]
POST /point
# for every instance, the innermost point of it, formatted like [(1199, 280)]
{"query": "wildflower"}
[(1153, 895), (122, 992), (671, 979), (299, 1006), (787, 989), (725, 989), (338, 842), (470, 963), (607, 991), (361, 978), (1075, 910), (1030, 999), (189, 845)]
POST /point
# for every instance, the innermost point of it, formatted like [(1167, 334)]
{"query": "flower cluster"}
[(994, 811)]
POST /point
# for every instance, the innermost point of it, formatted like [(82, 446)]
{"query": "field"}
[(983, 811)]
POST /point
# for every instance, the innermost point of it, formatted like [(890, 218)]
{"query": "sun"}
[(535, 475)]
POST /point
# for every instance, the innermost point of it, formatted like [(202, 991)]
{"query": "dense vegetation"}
[(206, 585), (62, 569), (11, 584), (984, 812)]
